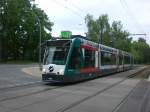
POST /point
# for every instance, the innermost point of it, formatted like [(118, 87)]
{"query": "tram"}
[(76, 59)]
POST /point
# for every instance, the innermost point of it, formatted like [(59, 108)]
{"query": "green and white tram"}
[(76, 59)]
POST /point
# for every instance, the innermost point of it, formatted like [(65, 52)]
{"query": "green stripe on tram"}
[(72, 72)]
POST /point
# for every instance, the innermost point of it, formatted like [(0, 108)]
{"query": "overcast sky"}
[(70, 14)]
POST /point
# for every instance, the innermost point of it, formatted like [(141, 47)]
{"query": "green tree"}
[(3, 30), (21, 22), (98, 30), (119, 37), (111, 35), (140, 50)]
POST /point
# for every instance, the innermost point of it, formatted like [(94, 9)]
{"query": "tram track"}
[(24, 85), (143, 77), (35, 84), (65, 108), (31, 93), (19, 86), (16, 88)]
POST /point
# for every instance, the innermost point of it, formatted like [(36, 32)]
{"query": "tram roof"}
[(72, 37), (104, 47)]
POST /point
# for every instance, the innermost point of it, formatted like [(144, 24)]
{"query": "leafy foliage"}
[(101, 31), (140, 50), (97, 27), (21, 22)]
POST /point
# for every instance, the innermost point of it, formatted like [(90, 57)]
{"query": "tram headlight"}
[(61, 71), (44, 70)]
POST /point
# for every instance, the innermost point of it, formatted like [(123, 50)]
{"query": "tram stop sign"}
[(66, 34)]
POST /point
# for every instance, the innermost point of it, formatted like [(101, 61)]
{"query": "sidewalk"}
[(34, 71)]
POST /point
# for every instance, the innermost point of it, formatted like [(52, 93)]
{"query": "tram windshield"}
[(56, 54)]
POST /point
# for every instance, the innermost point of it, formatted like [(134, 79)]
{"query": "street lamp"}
[(38, 19), (39, 42), (39, 45), (100, 38), (40, 50), (1, 27), (111, 37)]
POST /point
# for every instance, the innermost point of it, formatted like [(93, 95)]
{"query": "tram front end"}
[(54, 62)]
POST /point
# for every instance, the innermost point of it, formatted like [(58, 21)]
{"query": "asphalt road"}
[(115, 93), (12, 74)]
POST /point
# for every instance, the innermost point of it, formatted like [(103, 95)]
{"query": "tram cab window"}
[(108, 58), (75, 59), (56, 55), (127, 60)]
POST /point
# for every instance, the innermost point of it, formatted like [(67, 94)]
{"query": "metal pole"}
[(100, 39), (144, 34), (40, 44), (40, 65)]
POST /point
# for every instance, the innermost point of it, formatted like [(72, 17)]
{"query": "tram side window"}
[(113, 59), (120, 59), (89, 58), (127, 59), (75, 60), (108, 58)]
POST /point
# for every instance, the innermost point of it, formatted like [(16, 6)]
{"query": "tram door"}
[(76, 59), (83, 59)]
